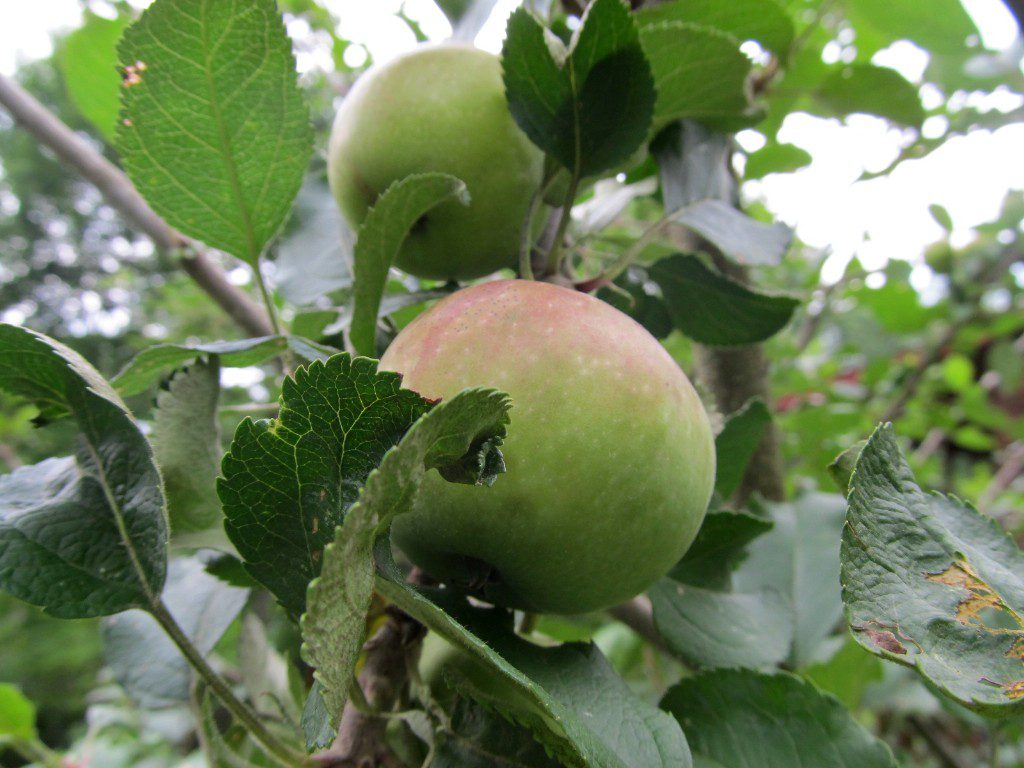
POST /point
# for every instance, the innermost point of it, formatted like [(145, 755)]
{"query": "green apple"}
[(610, 457), (440, 108)]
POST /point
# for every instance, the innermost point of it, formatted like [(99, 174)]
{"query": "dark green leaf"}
[(775, 158), (700, 74), (722, 629), (214, 133), (637, 298), (88, 63), (82, 536), (288, 482), (17, 715), (590, 106), (744, 719), (145, 661), (186, 445), (569, 696), (479, 738), (454, 437), (719, 548), (872, 90), (714, 310), (380, 238), (799, 559), (152, 363), (736, 443), (931, 583), (765, 21)]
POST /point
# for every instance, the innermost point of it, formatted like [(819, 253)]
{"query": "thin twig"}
[(118, 190)]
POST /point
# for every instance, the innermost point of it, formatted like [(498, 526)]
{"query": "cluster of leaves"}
[(214, 131)]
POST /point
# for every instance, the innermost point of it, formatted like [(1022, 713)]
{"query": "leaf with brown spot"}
[(931, 571)]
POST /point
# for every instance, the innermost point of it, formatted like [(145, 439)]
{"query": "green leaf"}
[(88, 64), (17, 715), (590, 106), (744, 719), (712, 309), (841, 468), (214, 134), (479, 738), (288, 482), (799, 559), (736, 443), (83, 536), (931, 583), (700, 74), (719, 548), (941, 215), (186, 445), (460, 438), (775, 158), (722, 629), (764, 21), (942, 26), (568, 696), (154, 362), (381, 236), (637, 298), (316, 720), (871, 90), (741, 238), (144, 660)]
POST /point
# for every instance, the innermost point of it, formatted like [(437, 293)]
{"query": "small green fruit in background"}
[(442, 109), (610, 457)]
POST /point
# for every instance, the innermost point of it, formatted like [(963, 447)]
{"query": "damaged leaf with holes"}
[(931, 583)]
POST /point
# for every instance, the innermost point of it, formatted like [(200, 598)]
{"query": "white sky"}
[(877, 220)]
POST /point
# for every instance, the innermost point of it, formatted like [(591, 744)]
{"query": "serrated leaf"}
[(799, 559), (380, 238), (449, 437), (719, 548), (214, 132), (83, 536), (568, 696), (88, 64), (700, 74), (736, 443), (288, 482), (154, 362), (708, 629), (745, 719), (589, 107), (931, 583), (764, 21), (741, 238), (712, 309), (17, 715), (871, 90), (841, 468), (774, 157), (186, 445), (479, 738), (144, 660)]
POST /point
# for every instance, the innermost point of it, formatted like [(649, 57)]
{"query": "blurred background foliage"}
[(933, 338)]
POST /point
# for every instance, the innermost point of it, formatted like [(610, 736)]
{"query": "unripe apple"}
[(610, 458), (439, 108)]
